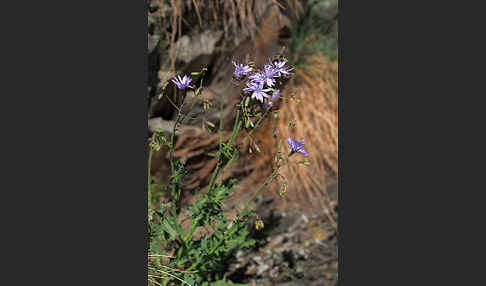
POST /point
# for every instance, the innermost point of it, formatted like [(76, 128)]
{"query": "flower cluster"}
[(260, 82)]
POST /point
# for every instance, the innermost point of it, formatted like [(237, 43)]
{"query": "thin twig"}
[(173, 269), (153, 281), (197, 12), (178, 109), (154, 255)]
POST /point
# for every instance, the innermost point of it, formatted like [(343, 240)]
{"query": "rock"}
[(189, 48), (301, 254), (274, 272), (262, 268), (167, 126)]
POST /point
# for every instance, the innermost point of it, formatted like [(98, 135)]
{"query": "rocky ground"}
[(293, 249)]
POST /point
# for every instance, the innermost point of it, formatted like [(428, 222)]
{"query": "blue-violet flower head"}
[(296, 146), (262, 78), (258, 92), (182, 83), (279, 68), (241, 70)]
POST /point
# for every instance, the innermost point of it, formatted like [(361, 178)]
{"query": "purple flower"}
[(257, 78), (262, 78), (258, 92), (270, 73), (279, 69), (241, 70), (296, 146), (182, 83)]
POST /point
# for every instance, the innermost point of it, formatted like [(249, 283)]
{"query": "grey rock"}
[(189, 48), (262, 268)]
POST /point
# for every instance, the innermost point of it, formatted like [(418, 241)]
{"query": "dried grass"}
[(316, 118)]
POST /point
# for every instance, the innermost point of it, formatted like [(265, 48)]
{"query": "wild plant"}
[(196, 254)]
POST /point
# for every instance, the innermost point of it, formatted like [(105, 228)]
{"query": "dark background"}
[(74, 163)]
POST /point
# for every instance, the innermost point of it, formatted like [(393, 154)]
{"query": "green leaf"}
[(218, 235), (210, 124), (168, 228)]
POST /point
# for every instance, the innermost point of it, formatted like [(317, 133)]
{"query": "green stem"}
[(190, 109), (191, 231), (221, 109), (267, 181), (149, 176), (236, 129), (256, 125), (211, 251), (177, 108), (213, 176), (171, 149)]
